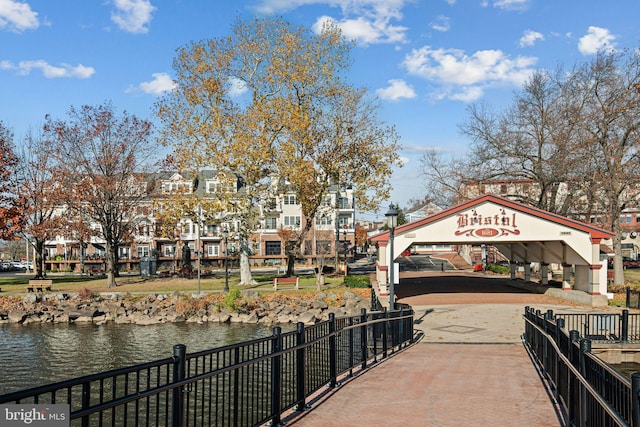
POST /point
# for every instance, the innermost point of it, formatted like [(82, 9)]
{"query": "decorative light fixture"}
[(392, 222)]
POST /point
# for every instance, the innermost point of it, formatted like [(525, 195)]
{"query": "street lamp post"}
[(392, 218), (199, 255), (225, 234)]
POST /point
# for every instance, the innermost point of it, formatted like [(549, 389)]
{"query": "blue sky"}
[(426, 60)]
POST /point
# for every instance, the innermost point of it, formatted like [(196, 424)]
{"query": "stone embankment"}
[(248, 307)]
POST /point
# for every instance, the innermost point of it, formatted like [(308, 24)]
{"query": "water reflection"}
[(34, 355)]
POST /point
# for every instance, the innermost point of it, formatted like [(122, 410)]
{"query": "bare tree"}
[(606, 101), (534, 140), (101, 160), (39, 194)]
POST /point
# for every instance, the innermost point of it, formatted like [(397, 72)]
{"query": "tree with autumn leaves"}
[(271, 107), (101, 162), (11, 217)]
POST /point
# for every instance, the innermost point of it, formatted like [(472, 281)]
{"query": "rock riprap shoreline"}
[(246, 306)]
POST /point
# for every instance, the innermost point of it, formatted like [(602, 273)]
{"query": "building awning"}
[(98, 246)]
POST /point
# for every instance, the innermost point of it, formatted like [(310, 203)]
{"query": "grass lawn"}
[(137, 284)]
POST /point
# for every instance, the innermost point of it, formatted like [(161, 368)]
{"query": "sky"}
[(426, 61)]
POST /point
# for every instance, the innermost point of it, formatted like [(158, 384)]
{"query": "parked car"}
[(19, 266), (626, 263)]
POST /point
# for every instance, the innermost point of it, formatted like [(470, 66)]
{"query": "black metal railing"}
[(623, 327), (589, 391), (249, 383)]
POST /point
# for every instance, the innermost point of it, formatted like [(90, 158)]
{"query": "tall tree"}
[(101, 161), (606, 101), (10, 207), (40, 196), (534, 139), (269, 104)]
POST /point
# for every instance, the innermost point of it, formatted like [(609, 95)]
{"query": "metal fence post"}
[(301, 391), (86, 401), (635, 399), (625, 326), (333, 356), (628, 295), (351, 345), (401, 328), (385, 328), (179, 373), (585, 347), (363, 337), (276, 375)]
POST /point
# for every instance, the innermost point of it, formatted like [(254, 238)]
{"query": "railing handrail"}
[(124, 386), (578, 375)]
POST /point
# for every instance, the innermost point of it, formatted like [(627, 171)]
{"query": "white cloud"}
[(441, 23), (596, 39), (49, 71), (160, 84), (365, 31), (530, 37), (365, 21), (511, 4), (236, 87), (464, 76), (133, 16), (17, 16), (397, 89)]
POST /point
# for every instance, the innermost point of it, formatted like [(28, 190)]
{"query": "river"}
[(38, 354)]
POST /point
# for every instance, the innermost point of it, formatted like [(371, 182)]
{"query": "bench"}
[(279, 280), (39, 285)]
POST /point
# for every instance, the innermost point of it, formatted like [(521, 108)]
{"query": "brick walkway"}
[(469, 369)]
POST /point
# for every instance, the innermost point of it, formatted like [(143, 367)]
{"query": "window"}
[(637, 217), (324, 220), (292, 221), (169, 250), (271, 223), (123, 252), (213, 250), (143, 251), (343, 203), (272, 248), (344, 221), (290, 199), (211, 230), (503, 188)]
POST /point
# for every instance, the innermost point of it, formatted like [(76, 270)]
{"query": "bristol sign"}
[(495, 224)]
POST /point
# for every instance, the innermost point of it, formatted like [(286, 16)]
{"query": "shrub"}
[(230, 299), (499, 269), (357, 281), (189, 307), (85, 293)]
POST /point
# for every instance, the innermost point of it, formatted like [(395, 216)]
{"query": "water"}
[(34, 355)]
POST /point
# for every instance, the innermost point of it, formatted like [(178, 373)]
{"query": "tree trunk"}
[(291, 263), (112, 265), (38, 262), (618, 268), (245, 267)]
